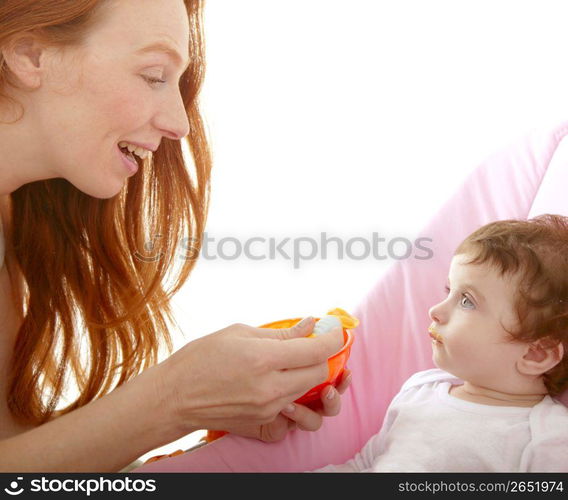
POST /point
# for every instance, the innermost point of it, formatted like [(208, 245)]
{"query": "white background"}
[(352, 118)]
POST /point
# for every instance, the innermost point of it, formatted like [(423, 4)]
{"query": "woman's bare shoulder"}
[(9, 277), (10, 314), (10, 321), (8, 330), (4, 217), (1, 244)]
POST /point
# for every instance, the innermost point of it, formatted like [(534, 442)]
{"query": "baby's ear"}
[(540, 356)]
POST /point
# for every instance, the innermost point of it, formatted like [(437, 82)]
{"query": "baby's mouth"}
[(436, 337)]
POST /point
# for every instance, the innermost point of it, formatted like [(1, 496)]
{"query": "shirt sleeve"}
[(550, 455)]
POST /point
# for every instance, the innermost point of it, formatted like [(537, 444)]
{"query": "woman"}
[(81, 83)]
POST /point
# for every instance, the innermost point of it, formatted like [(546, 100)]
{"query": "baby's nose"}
[(435, 313)]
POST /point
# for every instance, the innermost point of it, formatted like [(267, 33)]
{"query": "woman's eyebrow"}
[(165, 49)]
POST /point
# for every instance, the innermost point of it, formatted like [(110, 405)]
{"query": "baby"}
[(500, 342)]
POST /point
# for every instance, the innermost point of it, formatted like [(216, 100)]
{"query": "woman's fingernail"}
[(331, 393), (304, 322), (348, 379), (289, 408)]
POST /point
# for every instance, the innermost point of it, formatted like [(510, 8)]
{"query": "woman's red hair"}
[(93, 308)]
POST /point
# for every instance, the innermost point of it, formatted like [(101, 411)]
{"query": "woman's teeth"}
[(137, 150)]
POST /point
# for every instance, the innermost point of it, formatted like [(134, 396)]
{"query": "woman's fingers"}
[(297, 381), (304, 418), (297, 350), (309, 419), (331, 402), (300, 352), (301, 329), (344, 381)]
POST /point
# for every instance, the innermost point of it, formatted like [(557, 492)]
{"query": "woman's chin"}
[(103, 191)]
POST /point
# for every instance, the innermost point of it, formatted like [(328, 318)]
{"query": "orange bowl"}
[(336, 363)]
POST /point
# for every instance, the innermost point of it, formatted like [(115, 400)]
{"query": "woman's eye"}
[(465, 299), (153, 81)]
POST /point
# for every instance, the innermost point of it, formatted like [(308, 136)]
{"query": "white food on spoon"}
[(327, 324)]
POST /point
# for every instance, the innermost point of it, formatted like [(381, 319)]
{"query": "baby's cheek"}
[(466, 349), (457, 350)]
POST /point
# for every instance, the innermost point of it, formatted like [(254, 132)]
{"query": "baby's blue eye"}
[(466, 298)]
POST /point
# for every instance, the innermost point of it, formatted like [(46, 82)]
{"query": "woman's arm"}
[(103, 436), (237, 374)]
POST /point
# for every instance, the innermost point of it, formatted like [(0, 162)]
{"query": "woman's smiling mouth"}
[(128, 161)]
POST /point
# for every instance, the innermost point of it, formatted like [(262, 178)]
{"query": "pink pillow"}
[(392, 341)]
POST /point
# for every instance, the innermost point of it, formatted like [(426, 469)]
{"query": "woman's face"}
[(108, 91)]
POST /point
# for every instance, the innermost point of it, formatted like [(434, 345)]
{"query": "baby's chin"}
[(438, 363), (440, 366)]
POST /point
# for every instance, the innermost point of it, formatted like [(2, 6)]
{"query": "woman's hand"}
[(296, 416), (244, 375)]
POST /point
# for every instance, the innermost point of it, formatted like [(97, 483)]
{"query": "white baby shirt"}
[(428, 430)]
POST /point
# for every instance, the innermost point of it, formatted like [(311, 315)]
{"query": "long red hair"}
[(93, 309)]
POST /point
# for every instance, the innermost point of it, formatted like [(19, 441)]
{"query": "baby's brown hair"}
[(535, 251)]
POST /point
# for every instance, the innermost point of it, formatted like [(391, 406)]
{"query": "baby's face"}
[(470, 322)]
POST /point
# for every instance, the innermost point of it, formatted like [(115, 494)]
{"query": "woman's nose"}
[(171, 120)]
